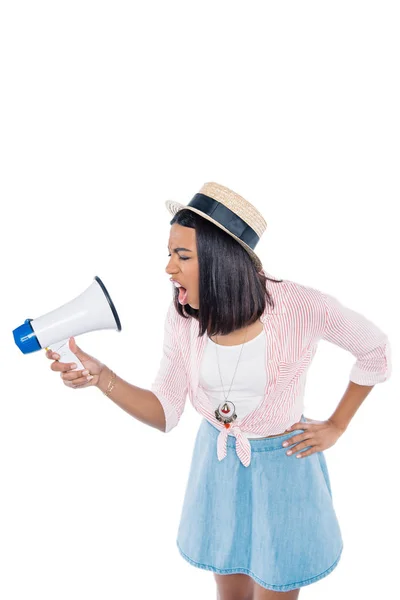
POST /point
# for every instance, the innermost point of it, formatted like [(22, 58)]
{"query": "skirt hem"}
[(268, 586)]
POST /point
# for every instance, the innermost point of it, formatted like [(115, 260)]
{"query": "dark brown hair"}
[(232, 294)]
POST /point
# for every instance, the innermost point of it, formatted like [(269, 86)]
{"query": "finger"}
[(52, 355), (299, 447), (75, 375), (79, 383), (307, 452), (297, 438), (301, 425), (58, 366)]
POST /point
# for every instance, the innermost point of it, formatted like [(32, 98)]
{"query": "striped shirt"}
[(300, 318)]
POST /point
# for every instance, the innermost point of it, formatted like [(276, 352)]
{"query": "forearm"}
[(352, 399), (139, 403)]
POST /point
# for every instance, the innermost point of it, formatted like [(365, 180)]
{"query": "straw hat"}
[(228, 211)]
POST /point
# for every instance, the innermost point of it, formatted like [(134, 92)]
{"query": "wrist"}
[(342, 428), (104, 378)]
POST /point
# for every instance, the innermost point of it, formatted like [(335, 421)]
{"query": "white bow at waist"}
[(243, 448)]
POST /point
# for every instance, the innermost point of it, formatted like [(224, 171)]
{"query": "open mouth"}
[(183, 294)]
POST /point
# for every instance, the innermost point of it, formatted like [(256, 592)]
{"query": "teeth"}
[(176, 284)]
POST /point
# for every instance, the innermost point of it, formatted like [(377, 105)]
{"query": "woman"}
[(239, 342)]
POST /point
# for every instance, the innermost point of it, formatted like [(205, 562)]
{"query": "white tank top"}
[(248, 387)]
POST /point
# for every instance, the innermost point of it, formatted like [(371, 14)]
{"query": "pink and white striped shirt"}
[(301, 317)]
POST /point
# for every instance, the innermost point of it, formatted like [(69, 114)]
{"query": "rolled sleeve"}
[(353, 332), (170, 385)]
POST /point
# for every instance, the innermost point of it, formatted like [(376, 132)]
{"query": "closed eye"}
[(182, 257)]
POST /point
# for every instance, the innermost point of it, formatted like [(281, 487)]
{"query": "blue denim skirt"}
[(273, 520)]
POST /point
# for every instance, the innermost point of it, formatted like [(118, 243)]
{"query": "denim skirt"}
[(273, 520)]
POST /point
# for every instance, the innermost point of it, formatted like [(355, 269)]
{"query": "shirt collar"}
[(277, 289)]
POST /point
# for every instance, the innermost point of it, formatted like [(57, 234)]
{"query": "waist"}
[(275, 435), (268, 436), (270, 442)]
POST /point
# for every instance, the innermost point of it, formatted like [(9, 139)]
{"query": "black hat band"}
[(226, 217)]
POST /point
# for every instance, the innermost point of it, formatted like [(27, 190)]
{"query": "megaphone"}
[(90, 311)]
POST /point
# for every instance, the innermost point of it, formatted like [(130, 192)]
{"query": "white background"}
[(107, 110)]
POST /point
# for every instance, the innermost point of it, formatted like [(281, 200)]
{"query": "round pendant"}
[(226, 412)]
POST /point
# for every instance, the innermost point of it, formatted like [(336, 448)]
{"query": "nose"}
[(168, 269)]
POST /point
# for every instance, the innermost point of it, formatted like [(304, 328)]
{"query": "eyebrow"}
[(184, 249)]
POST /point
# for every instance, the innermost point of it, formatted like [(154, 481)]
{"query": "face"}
[(183, 265)]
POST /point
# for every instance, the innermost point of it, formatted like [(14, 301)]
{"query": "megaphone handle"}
[(66, 355)]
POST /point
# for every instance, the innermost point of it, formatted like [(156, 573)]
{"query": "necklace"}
[(226, 410)]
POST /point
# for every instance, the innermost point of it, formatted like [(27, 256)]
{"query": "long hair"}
[(232, 294)]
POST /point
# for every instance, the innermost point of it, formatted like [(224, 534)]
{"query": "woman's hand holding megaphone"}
[(77, 379)]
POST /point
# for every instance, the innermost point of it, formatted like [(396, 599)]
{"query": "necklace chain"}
[(223, 391)]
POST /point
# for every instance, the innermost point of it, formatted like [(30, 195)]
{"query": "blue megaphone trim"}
[(25, 338)]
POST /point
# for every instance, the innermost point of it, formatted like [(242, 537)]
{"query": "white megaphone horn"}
[(90, 311)]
